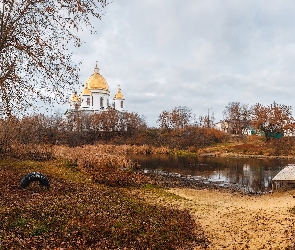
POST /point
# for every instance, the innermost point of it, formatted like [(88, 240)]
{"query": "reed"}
[(108, 164)]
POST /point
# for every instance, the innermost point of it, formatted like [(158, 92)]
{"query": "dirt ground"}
[(236, 221)]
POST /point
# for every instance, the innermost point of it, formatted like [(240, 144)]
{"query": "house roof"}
[(286, 174)]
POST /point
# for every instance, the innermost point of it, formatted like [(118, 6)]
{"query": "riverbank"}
[(87, 188), (251, 147), (236, 221), (238, 155)]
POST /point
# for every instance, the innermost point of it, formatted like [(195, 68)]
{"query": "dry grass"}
[(77, 213), (255, 146), (108, 164)]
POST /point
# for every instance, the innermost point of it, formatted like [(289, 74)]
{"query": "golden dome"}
[(75, 97), (119, 94), (97, 81), (86, 91)]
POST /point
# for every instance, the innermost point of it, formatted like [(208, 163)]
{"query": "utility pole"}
[(208, 121)]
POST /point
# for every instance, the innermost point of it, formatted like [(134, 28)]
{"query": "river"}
[(252, 174)]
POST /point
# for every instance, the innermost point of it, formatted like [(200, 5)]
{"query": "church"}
[(95, 96)]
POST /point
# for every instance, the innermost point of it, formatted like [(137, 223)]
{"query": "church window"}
[(88, 101), (122, 104), (101, 102)]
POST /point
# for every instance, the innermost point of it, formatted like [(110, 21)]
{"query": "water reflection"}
[(250, 173)]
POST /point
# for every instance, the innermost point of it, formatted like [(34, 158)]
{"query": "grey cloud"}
[(200, 54)]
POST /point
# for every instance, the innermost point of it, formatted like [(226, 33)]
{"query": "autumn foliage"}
[(78, 214), (41, 129), (90, 203), (271, 121), (36, 50)]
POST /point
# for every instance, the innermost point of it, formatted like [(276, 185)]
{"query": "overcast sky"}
[(201, 54)]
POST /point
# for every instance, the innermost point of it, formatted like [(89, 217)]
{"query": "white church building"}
[(95, 96)]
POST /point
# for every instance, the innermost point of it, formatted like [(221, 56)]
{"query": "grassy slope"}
[(79, 214), (254, 146)]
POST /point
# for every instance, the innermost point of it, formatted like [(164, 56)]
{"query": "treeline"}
[(106, 127), (272, 121), (177, 128), (76, 129)]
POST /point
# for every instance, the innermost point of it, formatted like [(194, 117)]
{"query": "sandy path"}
[(235, 221)]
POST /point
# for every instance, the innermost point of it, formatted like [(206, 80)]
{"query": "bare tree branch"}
[(35, 60)]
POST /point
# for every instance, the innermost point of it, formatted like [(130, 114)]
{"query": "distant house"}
[(249, 131), (222, 126)]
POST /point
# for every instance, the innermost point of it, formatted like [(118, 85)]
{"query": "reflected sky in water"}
[(253, 174)]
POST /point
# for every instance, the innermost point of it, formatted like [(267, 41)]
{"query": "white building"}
[(95, 96), (222, 126)]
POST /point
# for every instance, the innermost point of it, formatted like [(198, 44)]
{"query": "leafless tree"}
[(237, 116), (108, 121), (133, 123), (114, 122), (206, 121), (273, 119), (35, 57), (179, 117)]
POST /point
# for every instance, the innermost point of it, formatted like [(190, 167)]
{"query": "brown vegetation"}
[(78, 212), (272, 121), (40, 129), (95, 200), (36, 130), (252, 146)]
